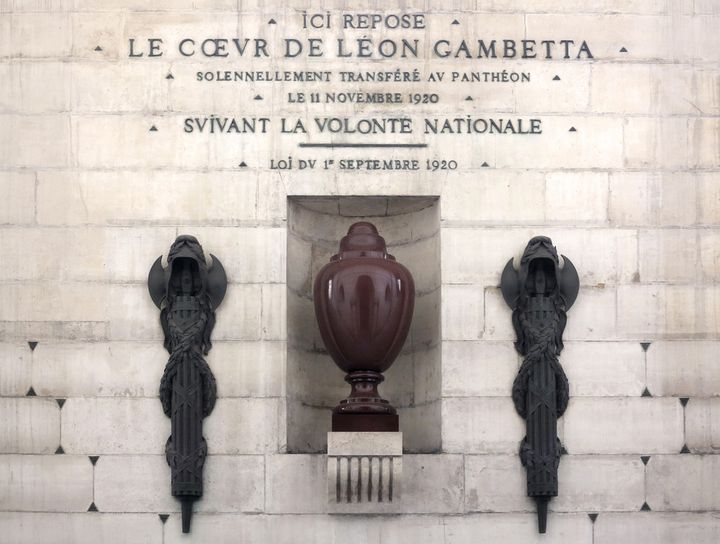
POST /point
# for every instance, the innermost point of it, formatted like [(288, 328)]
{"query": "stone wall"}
[(91, 197)]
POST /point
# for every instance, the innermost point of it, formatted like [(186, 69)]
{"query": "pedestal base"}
[(364, 423), (364, 472)]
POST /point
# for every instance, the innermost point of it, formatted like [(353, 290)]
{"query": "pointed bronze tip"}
[(542, 508), (186, 514)]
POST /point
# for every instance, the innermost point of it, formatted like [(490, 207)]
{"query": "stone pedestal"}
[(364, 472)]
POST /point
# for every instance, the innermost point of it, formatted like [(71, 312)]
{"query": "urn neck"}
[(362, 241)]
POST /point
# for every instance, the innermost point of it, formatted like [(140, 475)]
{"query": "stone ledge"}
[(364, 472)]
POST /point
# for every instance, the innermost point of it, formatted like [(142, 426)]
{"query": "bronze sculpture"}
[(187, 291), (364, 303), (540, 292)]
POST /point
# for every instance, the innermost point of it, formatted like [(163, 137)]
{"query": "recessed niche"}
[(411, 228)]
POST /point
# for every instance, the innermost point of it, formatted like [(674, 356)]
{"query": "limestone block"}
[(694, 36), (49, 261), (249, 255), (683, 482), (623, 425), (364, 472), (654, 198), (240, 314), (576, 197), (705, 6), (99, 254), (243, 426), (479, 255), (132, 314), (683, 368), (29, 425), (15, 369), (303, 331), (44, 330), (704, 142), (702, 425), (307, 428), (271, 202), (483, 197), (648, 89), (592, 317), (233, 483), (18, 206), (249, 369), (599, 369), (422, 258), (322, 529), (427, 370), (481, 425), (709, 243), (582, 6), (425, 326), (708, 190), (92, 369), (46, 483), (593, 483), (432, 484), (497, 483), (139, 5), (134, 483), (279, 529), (424, 182), (6, 45), (34, 87), (126, 254), (421, 424), (462, 312), (85, 528), (517, 529), (39, 5), (705, 93), (142, 484), (644, 36), (296, 484), (112, 141), (657, 527), (114, 426), (299, 252), (571, 94), (668, 255), (274, 310), (614, 258), (126, 198), (656, 142), (478, 369), (173, 25), (498, 325), (38, 35), (104, 29), (22, 135), (61, 302), (119, 87), (647, 311), (596, 143), (314, 379)]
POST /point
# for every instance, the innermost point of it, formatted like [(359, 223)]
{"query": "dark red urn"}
[(364, 302)]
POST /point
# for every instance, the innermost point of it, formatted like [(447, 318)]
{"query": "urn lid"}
[(362, 240)]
